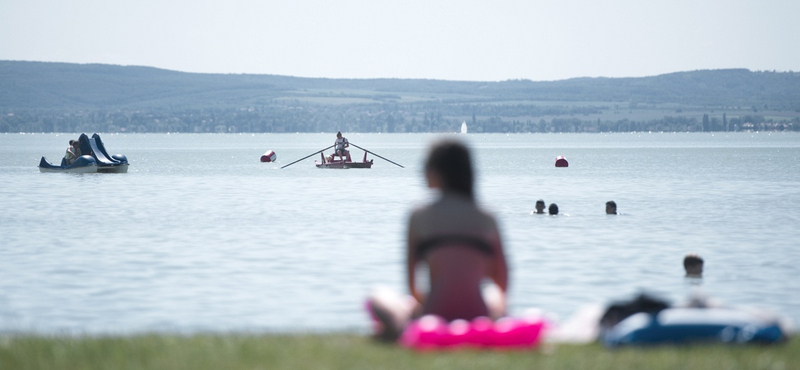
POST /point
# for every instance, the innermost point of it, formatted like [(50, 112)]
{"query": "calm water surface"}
[(201, 236)]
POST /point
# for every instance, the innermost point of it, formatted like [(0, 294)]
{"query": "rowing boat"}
[(342, 163)]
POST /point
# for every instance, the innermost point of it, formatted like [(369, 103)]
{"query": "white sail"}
[(464, 127)]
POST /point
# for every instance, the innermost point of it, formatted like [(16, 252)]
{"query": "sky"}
[(466, 40)]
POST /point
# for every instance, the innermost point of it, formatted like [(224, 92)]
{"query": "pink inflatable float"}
[(432, 332)]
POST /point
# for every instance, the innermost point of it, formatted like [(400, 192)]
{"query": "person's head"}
[(611, 207), (72, 143), (339, 134), (449, 167), (540, 206), (553, 210), (693, 264)]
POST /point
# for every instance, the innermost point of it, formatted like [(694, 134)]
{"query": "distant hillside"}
[(92, 86), (37, 96)]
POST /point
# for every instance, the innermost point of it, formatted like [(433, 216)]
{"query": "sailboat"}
[(464, 127)]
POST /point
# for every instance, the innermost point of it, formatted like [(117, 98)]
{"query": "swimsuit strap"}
[(461, 240)]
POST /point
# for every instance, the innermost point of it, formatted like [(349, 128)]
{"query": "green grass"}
[(350, 351)]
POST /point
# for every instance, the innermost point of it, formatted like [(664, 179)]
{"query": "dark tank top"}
[(461, 240)]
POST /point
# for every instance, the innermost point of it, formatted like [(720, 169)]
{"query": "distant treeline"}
[(324, 119), (58, 97)]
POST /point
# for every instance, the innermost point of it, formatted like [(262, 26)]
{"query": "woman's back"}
[(461, 245)]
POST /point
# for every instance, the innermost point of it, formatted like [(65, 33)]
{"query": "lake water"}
[(201, 236)]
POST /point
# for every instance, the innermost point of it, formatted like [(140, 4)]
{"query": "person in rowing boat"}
[(340, 146), (459, 242), (73, 152)]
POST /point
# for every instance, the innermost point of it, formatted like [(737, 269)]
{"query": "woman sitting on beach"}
[(460, 244)]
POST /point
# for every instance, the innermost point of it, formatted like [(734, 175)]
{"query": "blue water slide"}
[(118, 158), (95, 146)]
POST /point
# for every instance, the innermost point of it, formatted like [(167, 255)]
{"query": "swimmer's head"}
[(693, 264), (449, 166), (611, 207), (540, 206), (553, 210)]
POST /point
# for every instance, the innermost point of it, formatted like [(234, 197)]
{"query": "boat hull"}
[(344, 165), (122, 168), (87, 169)]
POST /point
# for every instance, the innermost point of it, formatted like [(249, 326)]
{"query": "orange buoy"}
[(269, 156), (561, 161)]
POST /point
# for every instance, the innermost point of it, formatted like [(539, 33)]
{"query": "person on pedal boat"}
[(73, 152)]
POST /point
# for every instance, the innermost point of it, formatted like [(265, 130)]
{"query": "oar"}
[(322, 150), (373, 153)]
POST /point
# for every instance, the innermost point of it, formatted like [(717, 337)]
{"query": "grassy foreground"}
[(350, 351)]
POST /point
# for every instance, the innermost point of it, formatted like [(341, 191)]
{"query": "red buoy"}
[(561, 161), (269, 156)]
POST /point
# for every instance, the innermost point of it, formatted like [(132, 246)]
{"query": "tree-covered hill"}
[(63, 96), (62, 85)]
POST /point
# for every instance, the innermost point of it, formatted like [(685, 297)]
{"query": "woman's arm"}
[(499, 273), (495, 299), (412, 259)]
